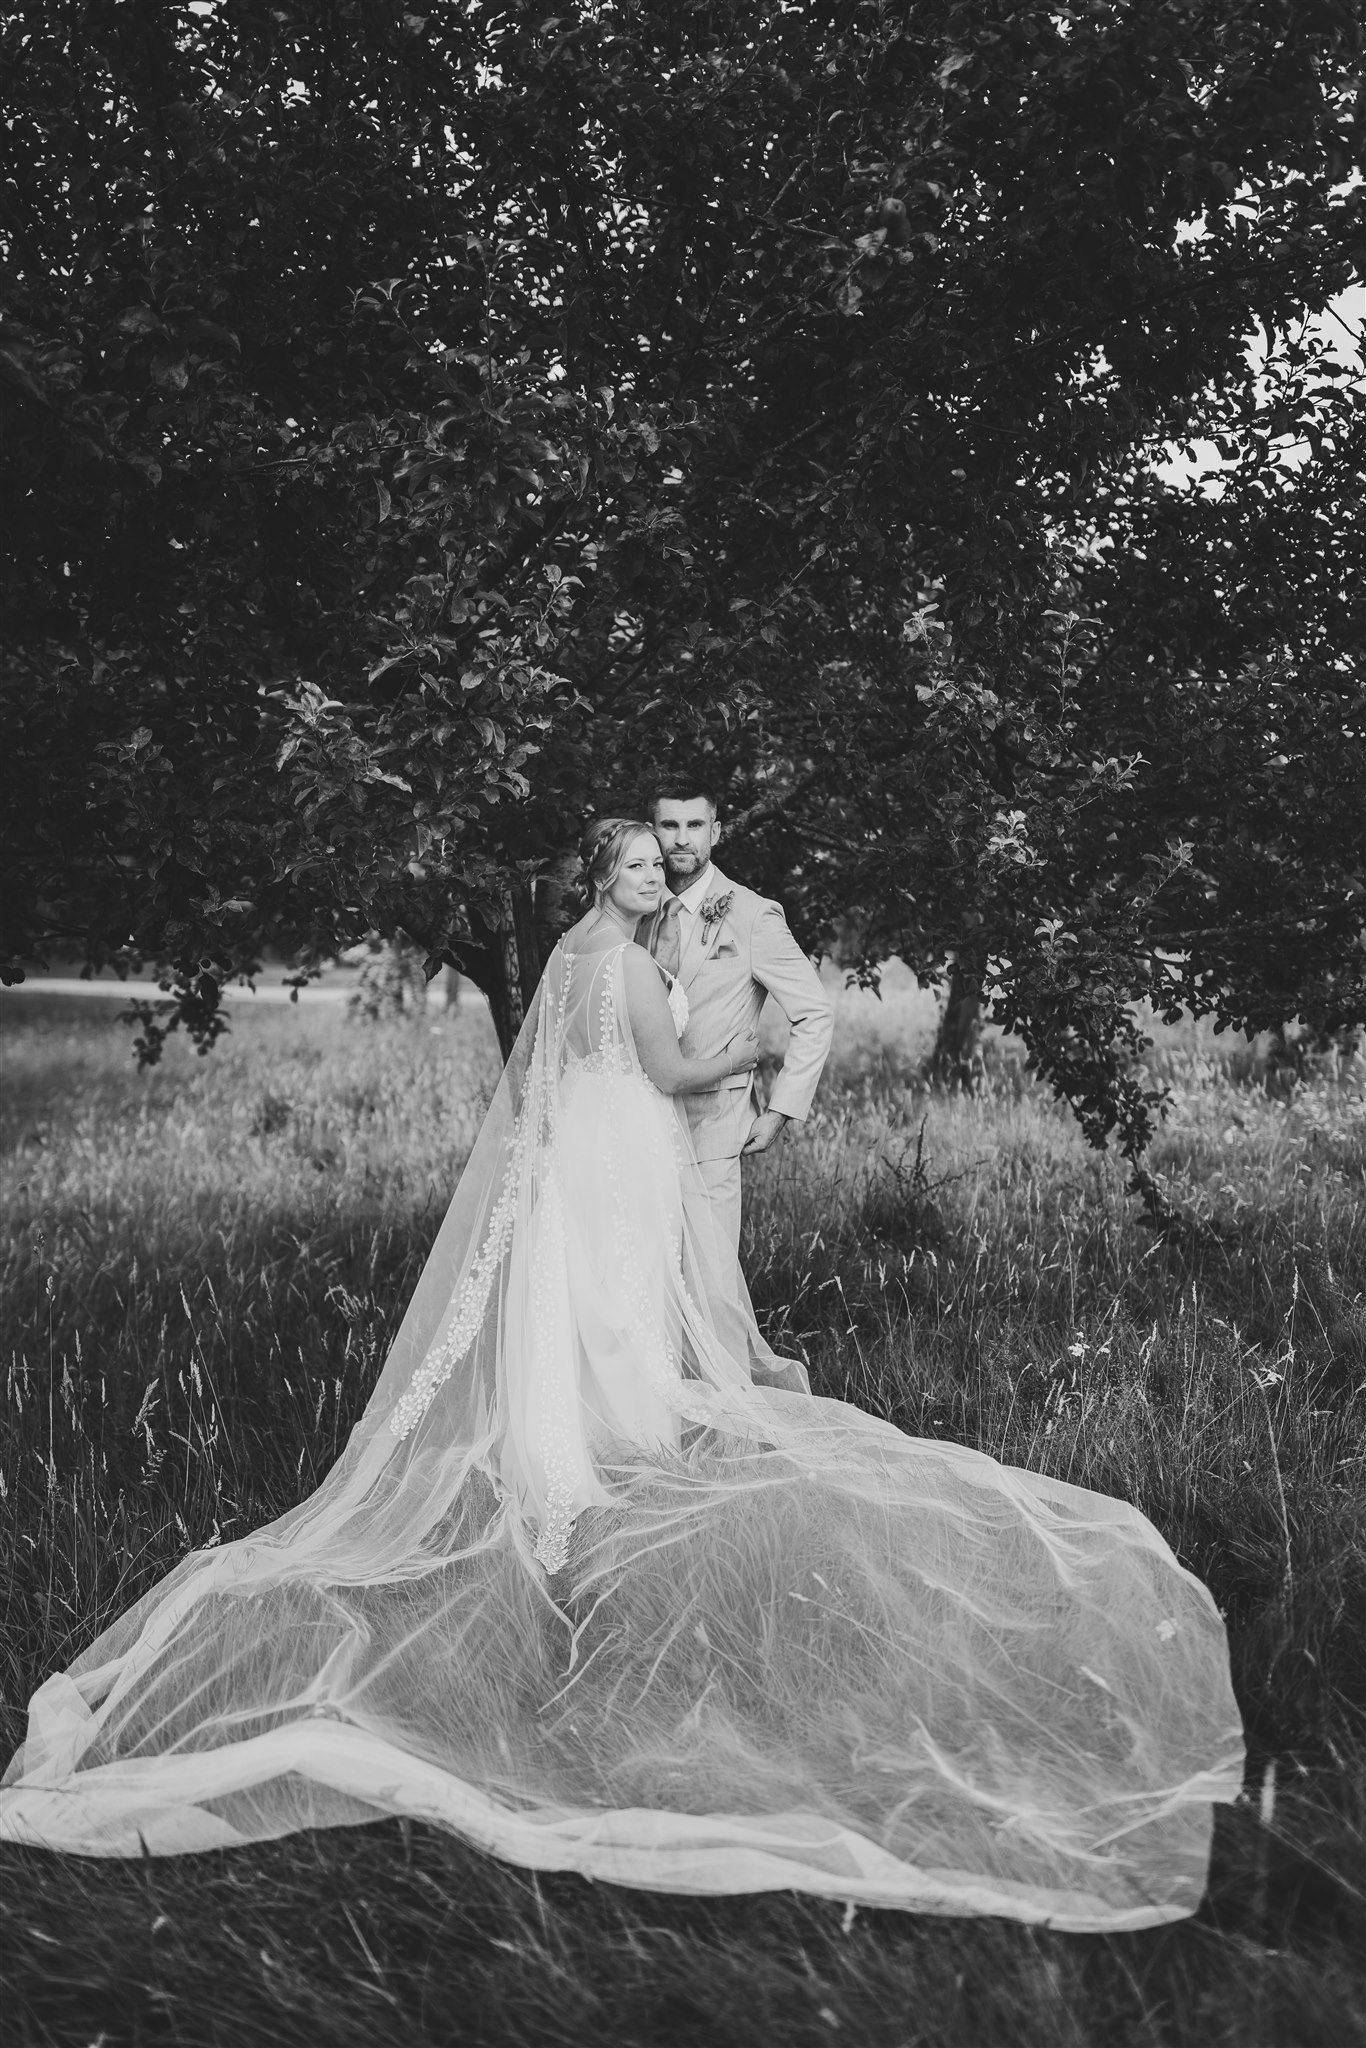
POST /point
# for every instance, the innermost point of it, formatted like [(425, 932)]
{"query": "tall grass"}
[(202, 1268)]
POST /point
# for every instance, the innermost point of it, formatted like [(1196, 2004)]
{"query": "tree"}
[(417, 425)]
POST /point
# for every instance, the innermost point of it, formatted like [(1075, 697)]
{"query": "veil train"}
[(598, 1594)]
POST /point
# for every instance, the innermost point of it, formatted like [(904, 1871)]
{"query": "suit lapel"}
[(701, 949)]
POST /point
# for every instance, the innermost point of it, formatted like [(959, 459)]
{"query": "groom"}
[(731, 948)]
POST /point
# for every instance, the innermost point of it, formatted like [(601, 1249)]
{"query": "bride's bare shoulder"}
[(641, 971)]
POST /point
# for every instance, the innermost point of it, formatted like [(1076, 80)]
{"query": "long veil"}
[(599, 1584)]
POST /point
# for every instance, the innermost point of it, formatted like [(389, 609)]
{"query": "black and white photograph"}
[(683, 1024)]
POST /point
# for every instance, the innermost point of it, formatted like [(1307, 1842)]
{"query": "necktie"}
[(668, 940)]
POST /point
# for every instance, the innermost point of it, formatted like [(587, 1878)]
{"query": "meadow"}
[(202, 1266)]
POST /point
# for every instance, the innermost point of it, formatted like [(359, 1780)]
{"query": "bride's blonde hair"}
[(603, 849)]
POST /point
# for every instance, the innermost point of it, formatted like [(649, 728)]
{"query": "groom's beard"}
[(683, 867)]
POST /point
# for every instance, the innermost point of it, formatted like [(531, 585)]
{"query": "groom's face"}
[(687, 832)]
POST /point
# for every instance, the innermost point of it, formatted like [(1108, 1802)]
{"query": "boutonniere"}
[(715, 908)]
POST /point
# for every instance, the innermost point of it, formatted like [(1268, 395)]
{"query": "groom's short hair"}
[(680, 789)]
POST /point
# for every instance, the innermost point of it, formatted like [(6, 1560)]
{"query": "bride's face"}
[(636, 888)]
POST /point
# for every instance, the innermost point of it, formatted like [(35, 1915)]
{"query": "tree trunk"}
[(506, 965), (519, 965), (960, 1026)]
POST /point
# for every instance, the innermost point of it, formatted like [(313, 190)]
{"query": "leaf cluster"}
[(422, 428)]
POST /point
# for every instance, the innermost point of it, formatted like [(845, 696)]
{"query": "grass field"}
[(201, 1269)]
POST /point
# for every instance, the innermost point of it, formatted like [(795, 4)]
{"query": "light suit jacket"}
[(734, 963)]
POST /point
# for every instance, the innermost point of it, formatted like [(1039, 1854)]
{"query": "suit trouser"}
[(721, 1178)]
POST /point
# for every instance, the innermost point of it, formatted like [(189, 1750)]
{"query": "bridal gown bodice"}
[(598, 1056), (602, 1262), (599, 1593)]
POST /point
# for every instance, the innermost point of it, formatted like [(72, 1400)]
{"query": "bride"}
[(599, 1595)]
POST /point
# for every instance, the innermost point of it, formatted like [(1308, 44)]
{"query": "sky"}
[(1341, 329)]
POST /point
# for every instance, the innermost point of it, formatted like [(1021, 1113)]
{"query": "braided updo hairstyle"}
[(603, 849)]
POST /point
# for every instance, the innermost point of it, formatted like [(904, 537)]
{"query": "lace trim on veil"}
[(468, 1309), (470, 1305)]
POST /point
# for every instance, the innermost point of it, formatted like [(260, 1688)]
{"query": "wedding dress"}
[(599, 1594)]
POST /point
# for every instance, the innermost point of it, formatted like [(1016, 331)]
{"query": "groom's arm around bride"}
[(731, 948)]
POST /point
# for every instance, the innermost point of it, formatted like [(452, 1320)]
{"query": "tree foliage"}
[(420, 426)]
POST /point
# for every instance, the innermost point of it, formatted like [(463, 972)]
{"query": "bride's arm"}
[(656, 1041)]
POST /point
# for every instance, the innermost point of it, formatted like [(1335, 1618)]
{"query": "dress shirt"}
[(690, 901)]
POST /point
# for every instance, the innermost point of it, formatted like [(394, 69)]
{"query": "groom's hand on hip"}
[(766, 1128)]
